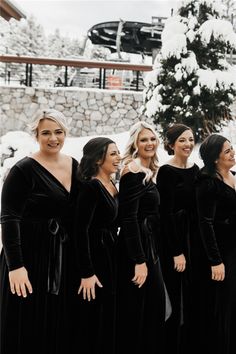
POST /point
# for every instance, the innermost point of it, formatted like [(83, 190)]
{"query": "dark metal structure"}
[(128, 36)]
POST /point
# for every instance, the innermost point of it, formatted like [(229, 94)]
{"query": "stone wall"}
[(89, 111)]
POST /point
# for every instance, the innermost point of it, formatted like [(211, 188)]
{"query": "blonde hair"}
[(52, 114), (131, 150)]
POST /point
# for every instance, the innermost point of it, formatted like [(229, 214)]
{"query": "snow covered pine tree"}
[(191, 81)]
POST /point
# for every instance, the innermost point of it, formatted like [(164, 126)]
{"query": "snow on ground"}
[(24, 145)]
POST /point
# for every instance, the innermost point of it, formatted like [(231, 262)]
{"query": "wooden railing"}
[(102, 66)]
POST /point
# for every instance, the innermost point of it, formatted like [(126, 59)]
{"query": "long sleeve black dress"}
[(36, 217), (140, 311), (95, 237), (217, 213), (181, 235)]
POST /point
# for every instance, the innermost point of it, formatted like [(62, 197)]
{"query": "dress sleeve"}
[(169, 217), (129, 196), (13, 199), (85, 207), (206, 205)]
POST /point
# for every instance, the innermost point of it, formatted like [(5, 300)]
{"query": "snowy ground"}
[(24, 144)]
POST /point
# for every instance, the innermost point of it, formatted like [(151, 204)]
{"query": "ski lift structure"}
[(130, 37)]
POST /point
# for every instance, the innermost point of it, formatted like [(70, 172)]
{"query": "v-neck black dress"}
[(36, 216), (95, 237)]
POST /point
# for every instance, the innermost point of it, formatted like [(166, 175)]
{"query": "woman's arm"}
[(206, 205), (129, 198), (166, 184), (15, 192)]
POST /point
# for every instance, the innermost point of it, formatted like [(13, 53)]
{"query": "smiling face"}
[(112, 160), (50, 136), (226, 159), (184, 144), (147, 144)]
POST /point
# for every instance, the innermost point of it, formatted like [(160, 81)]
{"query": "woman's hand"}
[(218, 272), (87, 287), (19, 282), (180, 263), (140, 274)]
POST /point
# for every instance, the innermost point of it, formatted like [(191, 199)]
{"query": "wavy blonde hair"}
[(131, 151)]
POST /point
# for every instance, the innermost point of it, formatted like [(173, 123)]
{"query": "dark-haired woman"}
[(216, 200), (95, 237), (182, 250)]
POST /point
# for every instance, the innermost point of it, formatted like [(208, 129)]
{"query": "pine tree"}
[(192, 82)]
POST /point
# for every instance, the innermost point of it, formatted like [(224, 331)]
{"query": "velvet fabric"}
[(36, 217), (95, 239), (140, 311), (217, 215), (181, 235)]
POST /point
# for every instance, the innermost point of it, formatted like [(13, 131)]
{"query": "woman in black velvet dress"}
[(216, 199), (95, 237), (37, 268), (182, 255), (141, 297)]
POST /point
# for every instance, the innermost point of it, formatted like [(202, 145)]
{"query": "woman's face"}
[(226, 158), (147, 144), (50, 136), (112, 160), (184, 144)]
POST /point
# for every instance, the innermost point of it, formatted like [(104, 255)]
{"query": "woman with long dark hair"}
[(216, 200), (95, 239)]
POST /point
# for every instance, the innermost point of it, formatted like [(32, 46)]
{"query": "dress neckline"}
[(113, 196), (53, 176)]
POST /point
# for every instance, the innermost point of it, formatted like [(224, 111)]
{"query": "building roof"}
[(8, 10)]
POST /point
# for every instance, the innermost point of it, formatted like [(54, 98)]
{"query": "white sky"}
[(74, 17)]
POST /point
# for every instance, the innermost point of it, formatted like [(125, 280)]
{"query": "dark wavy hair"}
[(171, 135), (209, 152), (93, 151)]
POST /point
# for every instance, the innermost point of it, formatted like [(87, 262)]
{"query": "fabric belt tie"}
[(58, 236)]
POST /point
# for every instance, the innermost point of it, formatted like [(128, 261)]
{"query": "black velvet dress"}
[(36, 216), (140, 311), (95, 237), (180, 234), (217, 213)]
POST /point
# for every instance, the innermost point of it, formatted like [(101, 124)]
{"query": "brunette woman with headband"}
[(37, 267), (142, 303), (182, 256)]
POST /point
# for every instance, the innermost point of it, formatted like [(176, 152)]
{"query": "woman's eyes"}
[(58, 132), (145, 140), (183, 141)]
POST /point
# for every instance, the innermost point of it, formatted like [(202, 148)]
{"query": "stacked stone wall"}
[(89, 112)]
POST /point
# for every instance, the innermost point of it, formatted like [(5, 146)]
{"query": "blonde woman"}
[(36, 263), (140, 290)]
